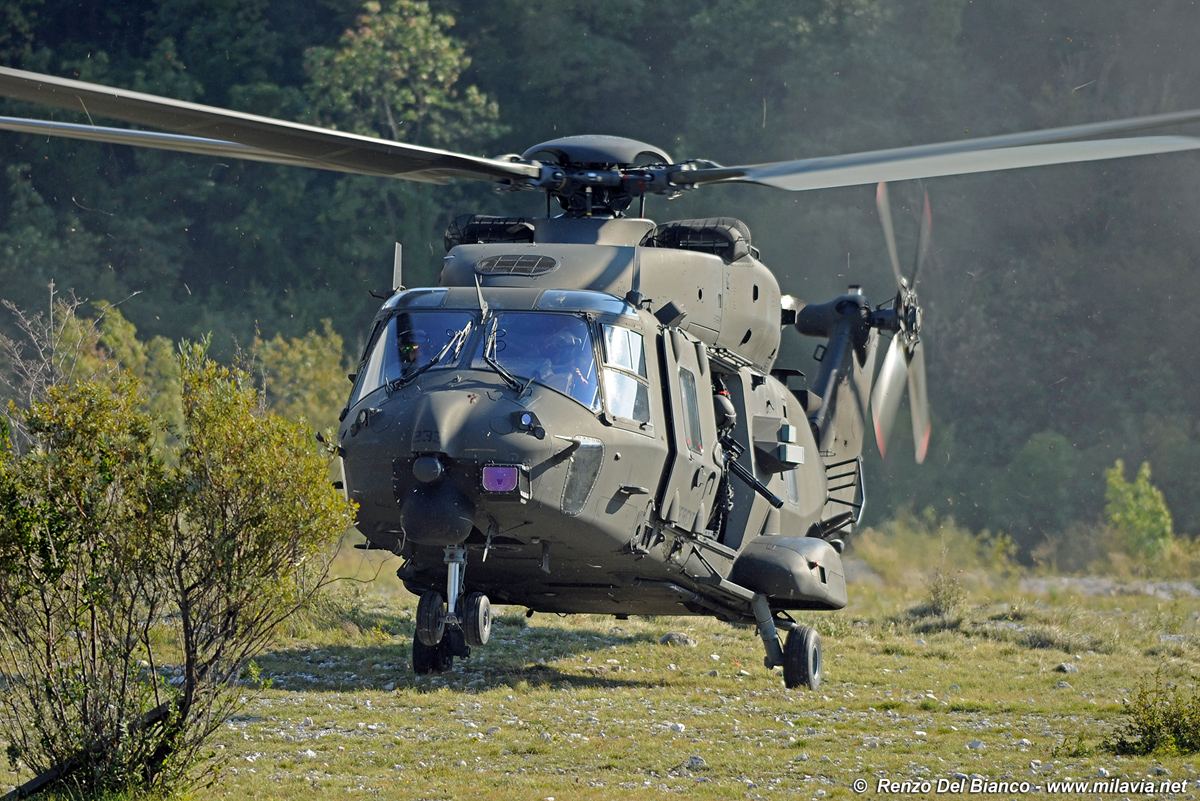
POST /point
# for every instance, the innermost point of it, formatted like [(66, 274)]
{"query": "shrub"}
[(1163, 719), (137, 582), (1137, 511)]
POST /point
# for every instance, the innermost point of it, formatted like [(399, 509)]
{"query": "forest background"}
[(1059, 301)]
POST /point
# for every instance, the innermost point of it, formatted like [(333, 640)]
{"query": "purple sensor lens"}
[(500, 479)]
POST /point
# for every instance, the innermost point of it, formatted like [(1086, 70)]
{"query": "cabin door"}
[(692, 476)]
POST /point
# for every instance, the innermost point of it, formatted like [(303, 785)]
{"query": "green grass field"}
[(1022, 683)]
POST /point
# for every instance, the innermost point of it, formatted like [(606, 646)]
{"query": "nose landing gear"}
[(447, 628)]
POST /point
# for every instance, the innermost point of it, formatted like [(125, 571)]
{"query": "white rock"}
[(311, 754), (678, 727), (677, 638), (493, 729), (1102, 773), (1024, 743), (391, 685), (919, 733), (306, 722), (976, 745), (696, 762), (1063, 685), (715, 657), (1066, 667)]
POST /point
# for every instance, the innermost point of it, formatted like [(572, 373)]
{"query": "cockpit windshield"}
[(409, 343), (554, 350)]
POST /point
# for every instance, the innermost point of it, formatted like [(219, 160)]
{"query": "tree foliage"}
[(138, 579), (1056, 298), (1137, 510), (395, 75)]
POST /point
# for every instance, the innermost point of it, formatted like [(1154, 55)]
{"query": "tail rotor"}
[(905, 359)]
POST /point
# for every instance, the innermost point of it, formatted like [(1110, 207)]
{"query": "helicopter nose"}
[(436, 514), (428, 469)]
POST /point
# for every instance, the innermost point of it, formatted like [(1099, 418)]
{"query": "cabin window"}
[(625, 386), (409, 341), (691, 410), (554, 350)]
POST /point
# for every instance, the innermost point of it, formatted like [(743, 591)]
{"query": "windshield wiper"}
[(455, 343), (489, 356)]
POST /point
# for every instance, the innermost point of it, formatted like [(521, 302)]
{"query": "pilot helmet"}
[(562, 347)]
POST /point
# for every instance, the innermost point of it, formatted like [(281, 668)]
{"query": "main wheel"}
[(477, 619), (428, 659), (802, 658), (431, 619)]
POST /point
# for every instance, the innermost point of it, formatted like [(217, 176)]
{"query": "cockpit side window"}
[(408, 342), (625, 387), (554, 350)]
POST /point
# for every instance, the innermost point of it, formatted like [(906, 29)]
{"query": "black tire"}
[(431, 619), (477, 619), (802, 658), (431, 659)]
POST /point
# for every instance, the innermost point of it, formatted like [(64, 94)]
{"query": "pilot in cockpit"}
[(410, 344), (567, 363)]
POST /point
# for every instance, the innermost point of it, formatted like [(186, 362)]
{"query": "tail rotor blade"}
[(885, 219), (889, 389), (924, 240), (918, 401)]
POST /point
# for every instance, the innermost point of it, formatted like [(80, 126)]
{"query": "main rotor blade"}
[(905, 164), (153, 140), (918, 401), (889, 389), (885, 219), (923, 240), (335, 150)]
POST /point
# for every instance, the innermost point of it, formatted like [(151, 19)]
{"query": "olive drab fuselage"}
[(550, 409), (586, 416)]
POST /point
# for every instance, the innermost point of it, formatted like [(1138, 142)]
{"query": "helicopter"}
[(586, 415)]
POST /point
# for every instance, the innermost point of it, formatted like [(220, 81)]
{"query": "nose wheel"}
[(446, 630)]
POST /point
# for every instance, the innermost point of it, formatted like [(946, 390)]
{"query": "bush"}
[(137, 582), (1164, 719), (1137, 511)]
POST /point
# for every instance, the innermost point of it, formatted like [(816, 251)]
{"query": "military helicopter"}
[(586, 416)]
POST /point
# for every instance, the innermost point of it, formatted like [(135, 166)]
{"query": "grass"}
[(592, 707)]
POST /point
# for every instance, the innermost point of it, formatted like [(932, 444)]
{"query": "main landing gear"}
[(800, 656), (449, 627)]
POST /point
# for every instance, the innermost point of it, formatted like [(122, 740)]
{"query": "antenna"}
[(483, 307), (397, 283)]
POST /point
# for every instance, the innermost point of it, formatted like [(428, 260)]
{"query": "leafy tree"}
[(1033, 499), (395, 75), (305, 377), (1137, 510)]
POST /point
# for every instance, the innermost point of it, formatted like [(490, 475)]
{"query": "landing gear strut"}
[(448, 627), (800, 656)]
